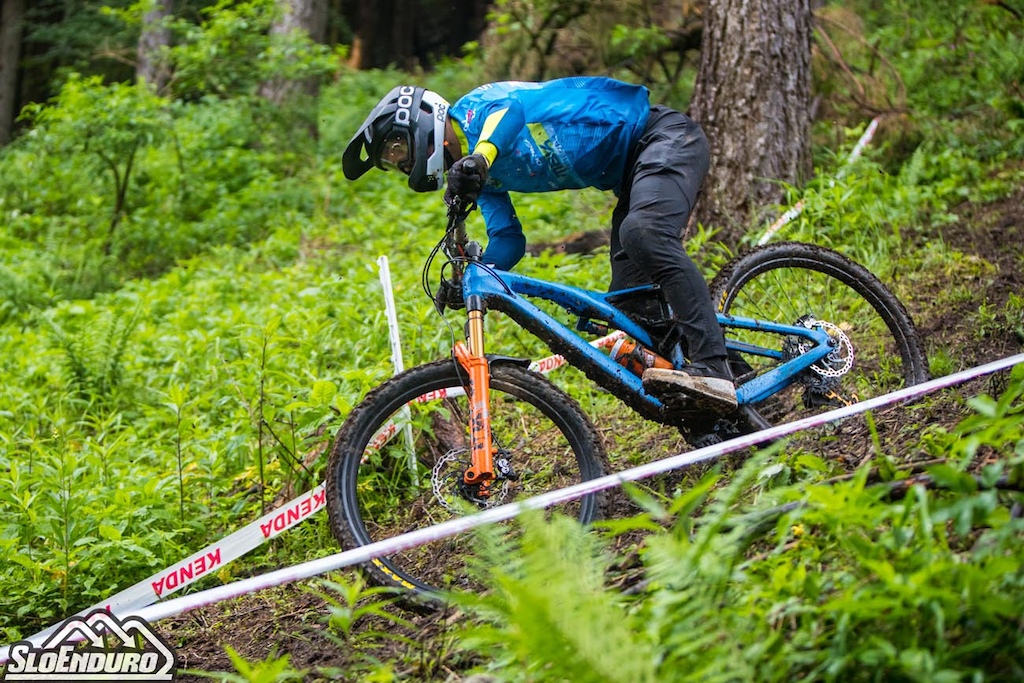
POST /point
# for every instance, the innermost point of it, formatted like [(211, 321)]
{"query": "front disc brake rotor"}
[(449, 486)]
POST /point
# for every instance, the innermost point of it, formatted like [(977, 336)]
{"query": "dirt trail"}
[(292, 620)]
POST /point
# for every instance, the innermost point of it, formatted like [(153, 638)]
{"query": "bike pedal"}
[(693, 407), (685, 411)]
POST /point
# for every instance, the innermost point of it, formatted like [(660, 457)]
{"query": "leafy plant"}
[(349, 602), (1009, 320), (848, 583), (94, 357), (189, 304), (232, 51), (273, 669), (111, 125)]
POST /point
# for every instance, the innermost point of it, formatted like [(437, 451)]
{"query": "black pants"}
[(657, 196)]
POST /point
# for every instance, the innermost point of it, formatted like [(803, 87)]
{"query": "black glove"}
[(449, 295), (466, 178)]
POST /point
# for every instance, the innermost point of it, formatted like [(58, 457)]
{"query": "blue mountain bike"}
[(807, 330)]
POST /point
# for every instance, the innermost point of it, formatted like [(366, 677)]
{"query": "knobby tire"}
[(371, 495), (784, 281)]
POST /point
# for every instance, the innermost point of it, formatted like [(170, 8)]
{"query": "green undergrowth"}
[(747, 578), (179, 343), (772, 570)]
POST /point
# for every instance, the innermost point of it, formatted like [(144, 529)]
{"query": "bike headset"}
[(404, 132)]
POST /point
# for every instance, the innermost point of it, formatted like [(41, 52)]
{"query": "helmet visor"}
[(395, 153)]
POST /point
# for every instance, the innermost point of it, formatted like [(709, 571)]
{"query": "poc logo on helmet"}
[(404, 114)]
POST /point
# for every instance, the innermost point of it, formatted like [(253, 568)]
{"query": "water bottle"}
[(636, 358)]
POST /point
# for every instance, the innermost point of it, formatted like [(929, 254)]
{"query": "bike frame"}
[(486, 288)]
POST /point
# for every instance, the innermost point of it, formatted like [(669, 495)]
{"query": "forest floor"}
[(292, 619)]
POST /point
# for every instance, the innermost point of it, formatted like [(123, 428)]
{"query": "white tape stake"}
[(862, 143), (797, 208), (396, 357)]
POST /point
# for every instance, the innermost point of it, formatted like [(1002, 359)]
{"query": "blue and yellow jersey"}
[(564, 134)]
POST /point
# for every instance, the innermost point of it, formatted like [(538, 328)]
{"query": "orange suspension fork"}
[(481, 469)]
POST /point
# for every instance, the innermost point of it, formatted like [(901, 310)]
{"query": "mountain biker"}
[(564, 134)]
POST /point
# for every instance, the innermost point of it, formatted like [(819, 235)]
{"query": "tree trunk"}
[(310, 17), (753, 99), (11, 16), (411, 33), (151, 66), (384, 33)]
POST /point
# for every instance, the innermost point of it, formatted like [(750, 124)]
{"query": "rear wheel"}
[(398, 460), (878, 348)]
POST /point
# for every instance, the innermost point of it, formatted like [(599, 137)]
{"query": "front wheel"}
[(878, 348), (398, 460)]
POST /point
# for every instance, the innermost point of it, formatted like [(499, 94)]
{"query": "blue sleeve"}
[(506, 243), (503, 119)]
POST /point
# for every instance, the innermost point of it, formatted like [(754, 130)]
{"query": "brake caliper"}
[(449, 484), (822, 379)]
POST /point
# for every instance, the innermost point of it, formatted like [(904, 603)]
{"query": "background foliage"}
[(189, 303)]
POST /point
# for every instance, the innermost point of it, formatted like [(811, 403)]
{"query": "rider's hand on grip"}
[(466, 178)]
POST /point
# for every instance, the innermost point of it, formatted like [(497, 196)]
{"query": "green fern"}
[(94, 356), (550, 611)]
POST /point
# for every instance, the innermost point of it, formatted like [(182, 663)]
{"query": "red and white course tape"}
[(228, 549), (206, 561), (798, 208), (452, 527)]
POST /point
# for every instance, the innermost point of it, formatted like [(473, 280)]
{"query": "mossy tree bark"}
[(11, 17), (753, 99)]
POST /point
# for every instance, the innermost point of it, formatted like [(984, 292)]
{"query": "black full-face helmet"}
[(405, 131)]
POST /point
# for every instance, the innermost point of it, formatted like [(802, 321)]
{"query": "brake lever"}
[(456, 237)]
